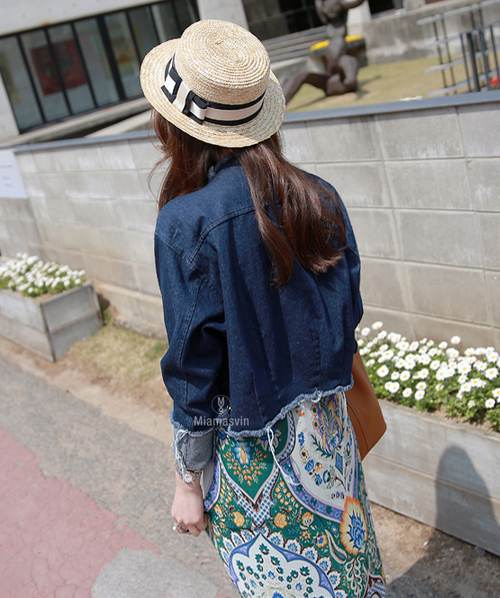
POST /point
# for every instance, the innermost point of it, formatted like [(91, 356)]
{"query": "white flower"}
[(370, 362), (489, 403), (424, 359), (470, 351), (471, 404), (463, 367), (435, 364), (480, 366), (421, 386), (455, 340), (414, 346), (467, 387), (392, 387), (492, 356), (382, 371), (496, 393), (443, 345), (410, 362), (452, 353), (407, 392), (439, 387), (400, 363), (404, 376), (382, 334), (422, 374), (491, 374), (403, 346), (395, 376), (377, 325), (432, 352), (365, 331), (478, 383), (462, 379), (419, 395)]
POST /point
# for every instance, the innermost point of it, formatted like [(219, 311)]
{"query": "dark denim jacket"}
[(235, 341)]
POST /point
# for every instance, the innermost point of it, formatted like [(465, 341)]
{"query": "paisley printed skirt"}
[(294, 521)]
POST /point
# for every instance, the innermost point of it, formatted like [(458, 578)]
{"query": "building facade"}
[(59, 60)]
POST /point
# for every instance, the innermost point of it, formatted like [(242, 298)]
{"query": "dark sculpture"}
[(341, 69)]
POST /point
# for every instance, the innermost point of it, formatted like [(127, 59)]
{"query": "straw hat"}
[(215, 84)]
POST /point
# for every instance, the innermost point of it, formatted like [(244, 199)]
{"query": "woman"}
[(259, 275)]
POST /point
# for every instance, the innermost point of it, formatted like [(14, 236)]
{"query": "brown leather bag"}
[(364, 409)]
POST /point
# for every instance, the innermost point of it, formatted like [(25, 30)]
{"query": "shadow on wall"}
[(451, 568)]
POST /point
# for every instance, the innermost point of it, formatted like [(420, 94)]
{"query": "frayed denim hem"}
[(314, 396)]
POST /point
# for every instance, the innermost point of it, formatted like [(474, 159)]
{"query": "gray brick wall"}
[(421, 180)]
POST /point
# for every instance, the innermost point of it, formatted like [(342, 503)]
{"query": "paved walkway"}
[(84, 511), (79, 495)]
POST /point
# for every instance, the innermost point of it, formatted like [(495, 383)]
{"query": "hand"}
[(187, 508)]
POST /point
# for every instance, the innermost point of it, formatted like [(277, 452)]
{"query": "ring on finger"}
[(180, 529)]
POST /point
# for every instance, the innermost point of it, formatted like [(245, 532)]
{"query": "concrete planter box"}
[(50, 324), (441, 473)]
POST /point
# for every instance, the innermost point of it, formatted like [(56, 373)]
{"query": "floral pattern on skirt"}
[(296, 524)]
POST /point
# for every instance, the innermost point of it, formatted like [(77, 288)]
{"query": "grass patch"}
[(123, 353), (126, 362), (378, 83)]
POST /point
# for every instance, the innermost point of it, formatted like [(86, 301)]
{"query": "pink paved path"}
[(54, 539)]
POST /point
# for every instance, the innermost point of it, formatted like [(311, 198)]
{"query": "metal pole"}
[(449, 55), (436, 35), (486, 64), (470, 42), (494, 50), (464, 53)]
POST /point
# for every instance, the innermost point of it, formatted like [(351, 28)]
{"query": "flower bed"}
[(32, 277), (464, 384), (46, 307), (437, 471)]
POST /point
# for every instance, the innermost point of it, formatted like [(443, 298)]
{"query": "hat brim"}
[(265, 124)]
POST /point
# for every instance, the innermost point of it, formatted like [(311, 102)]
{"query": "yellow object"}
[(324, 44), (239, 518), (319, 45), (280, 520)]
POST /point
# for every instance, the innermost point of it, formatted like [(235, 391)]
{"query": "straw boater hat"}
[(215, 84)]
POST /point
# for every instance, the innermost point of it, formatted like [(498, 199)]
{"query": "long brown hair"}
[(306, 222)]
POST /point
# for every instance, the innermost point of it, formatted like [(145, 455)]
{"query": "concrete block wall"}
[(422, 188), (421, 180), (93, 210)]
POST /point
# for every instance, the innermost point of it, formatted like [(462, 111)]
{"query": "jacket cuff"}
[(192, 452)]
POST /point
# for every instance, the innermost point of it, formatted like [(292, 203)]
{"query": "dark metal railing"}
[(481, 47), (476, 50)]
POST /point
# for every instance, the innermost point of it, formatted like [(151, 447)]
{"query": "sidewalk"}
[(85, 489), (83, 504)]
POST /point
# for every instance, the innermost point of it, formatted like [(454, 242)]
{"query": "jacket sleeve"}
[(193, 365)]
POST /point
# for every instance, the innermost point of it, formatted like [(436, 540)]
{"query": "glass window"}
[(96, 61), (143, 29), (185, 13), (18, 85), (167, 21), (71, 68), (45, 75), (124, 53)]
